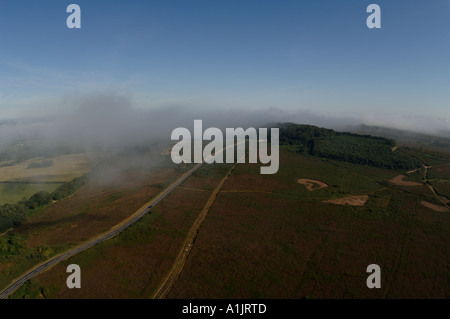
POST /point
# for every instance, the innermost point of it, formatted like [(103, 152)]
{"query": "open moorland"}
[(309, 231), (133, 264), (271, 237), (290, 244), (114, 191)]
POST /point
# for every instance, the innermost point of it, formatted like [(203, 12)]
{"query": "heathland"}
[(338, 203)]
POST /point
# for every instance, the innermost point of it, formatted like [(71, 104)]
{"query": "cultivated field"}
[(64, 169), (19, 180), (11, 193)]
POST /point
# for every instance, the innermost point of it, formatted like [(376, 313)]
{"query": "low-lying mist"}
[(109, 121)]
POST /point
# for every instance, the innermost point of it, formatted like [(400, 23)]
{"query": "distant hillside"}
[(349, 147), (405, 137)]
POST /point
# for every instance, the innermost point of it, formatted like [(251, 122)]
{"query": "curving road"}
[(109, 234)]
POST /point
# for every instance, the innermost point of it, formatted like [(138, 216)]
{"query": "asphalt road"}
[(111, 233)]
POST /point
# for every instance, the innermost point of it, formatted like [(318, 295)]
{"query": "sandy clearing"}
[(399, 180), (310, 183), (355, 200), (436, 208)]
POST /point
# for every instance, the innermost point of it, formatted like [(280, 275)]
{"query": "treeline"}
[(349, 147), (12, 215), (67, 189)]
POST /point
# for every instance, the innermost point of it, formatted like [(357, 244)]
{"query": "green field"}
[(11, 193)]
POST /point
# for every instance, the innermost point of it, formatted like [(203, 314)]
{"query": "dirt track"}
[(178, 265)]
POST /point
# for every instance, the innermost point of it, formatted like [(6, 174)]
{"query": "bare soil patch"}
[(436, 208), (356, 200), (312, 184), (399, 180)]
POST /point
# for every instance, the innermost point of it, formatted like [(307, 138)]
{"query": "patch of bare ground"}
[(356, 200), (436, 208), (312, 184), (399, 180)]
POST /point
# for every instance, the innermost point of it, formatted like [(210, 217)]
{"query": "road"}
[(101, 238)]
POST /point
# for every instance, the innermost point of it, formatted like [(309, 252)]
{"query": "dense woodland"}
[(349, 147), (12, 215)]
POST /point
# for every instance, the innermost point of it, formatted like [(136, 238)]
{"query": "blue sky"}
[(314, 55)]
